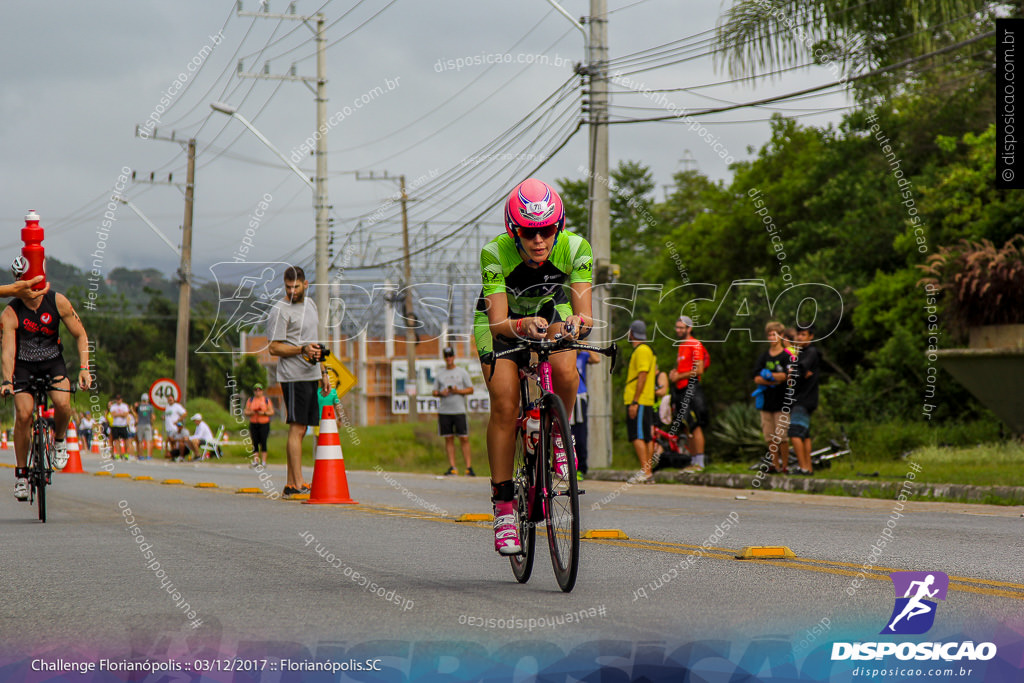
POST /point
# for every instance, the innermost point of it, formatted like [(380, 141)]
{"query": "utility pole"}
[(185, 268), (185, 278), (320, 203), (599, 384), (410, 331)]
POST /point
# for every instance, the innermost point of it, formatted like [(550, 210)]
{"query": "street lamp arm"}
[(152, 227), (233, 112), (578, 25)]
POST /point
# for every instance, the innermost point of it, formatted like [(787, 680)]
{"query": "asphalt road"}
[(398, 582)]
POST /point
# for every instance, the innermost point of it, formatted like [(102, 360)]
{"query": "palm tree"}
[(849, 36)]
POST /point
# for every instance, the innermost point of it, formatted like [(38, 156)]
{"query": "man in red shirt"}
[(688, 402)]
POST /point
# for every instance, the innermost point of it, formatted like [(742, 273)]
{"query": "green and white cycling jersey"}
[(530, 291)]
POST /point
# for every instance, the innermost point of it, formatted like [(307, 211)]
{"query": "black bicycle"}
[(542, 492), (42, 448)]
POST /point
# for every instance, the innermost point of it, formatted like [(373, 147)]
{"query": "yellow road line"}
[(960, 583)]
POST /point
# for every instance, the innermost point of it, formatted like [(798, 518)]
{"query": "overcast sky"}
[(80, 76)]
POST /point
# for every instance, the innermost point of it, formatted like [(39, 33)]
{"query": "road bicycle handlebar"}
[(545, 347)]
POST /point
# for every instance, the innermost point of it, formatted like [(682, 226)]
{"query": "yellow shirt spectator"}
[(642, 360)]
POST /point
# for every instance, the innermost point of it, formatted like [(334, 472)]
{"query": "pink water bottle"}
[(32, 236)]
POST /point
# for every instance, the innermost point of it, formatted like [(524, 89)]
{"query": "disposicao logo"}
[(914, 613)]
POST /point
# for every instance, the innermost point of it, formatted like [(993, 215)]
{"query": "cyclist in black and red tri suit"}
[(524, 273), (31, 347)]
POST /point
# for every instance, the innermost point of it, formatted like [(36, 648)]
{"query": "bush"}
[(736, 433)]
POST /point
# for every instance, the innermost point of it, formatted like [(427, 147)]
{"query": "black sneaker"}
[(290, 491), (470, 472), (451, 471)]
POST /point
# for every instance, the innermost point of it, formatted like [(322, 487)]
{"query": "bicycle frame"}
[(540, 374)]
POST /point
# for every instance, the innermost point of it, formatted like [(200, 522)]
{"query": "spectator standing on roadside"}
[(770, 372), (806, 398), (292, 331), (579, 412), (259, 409), (119, 411), (452, 384), (173, 415), (85, 430), (639, 397), (144, 426), (689, 406)]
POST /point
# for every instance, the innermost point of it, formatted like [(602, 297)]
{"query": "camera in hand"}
[(324, 353)]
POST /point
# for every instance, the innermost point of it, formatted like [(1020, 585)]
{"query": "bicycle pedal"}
[(580, 491)]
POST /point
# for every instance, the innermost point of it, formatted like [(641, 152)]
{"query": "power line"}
[(868, 74), (421, 117)]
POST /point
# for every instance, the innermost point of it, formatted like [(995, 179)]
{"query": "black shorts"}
[(689, 407), (118, 432), (259, 433), (300, 401), (643, 421), (25, 370), (800, 423), (452, 425)]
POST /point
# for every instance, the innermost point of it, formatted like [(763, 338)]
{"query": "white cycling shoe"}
[(60, 454), (21, 488)]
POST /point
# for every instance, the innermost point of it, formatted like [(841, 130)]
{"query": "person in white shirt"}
[(174, 414), (202, 435), (119, 412), (85, 430)]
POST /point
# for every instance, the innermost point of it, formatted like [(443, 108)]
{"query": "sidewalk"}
[(856, 488)]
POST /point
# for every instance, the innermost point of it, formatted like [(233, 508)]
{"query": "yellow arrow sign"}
[(342, 378)]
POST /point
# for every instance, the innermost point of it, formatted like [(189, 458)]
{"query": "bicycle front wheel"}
[(522, 478), (562, 508)]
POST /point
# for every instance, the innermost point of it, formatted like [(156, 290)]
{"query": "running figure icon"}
[(915, 606), (913, 590)]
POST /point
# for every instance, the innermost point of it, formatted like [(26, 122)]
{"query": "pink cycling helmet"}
[(533, 204)]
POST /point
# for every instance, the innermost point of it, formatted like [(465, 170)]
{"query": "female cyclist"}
[(524, 273)]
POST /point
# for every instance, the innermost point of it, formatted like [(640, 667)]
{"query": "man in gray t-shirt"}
[(452, 385), (292, 332)]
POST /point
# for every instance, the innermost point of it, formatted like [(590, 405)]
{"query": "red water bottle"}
[(32, 236)]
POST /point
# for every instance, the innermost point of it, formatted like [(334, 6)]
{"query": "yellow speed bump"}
[(143, 477), (122, 475), (248, 489), (206, 485), (101, 473), (475, 517), (606, 533), (172, 481), (765, 552), (299, 496)]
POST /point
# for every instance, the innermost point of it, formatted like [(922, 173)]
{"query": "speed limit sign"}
[(164, 392)]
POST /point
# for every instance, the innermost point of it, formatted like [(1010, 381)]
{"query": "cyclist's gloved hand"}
[(7, 389)]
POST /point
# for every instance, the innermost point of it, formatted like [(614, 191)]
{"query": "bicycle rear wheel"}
[(522, 478), (562, 509)]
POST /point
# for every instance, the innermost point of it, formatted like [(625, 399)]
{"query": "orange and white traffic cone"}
[(330, 485), (74, 465), (3, 441), (95, 448), (158, 441)]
